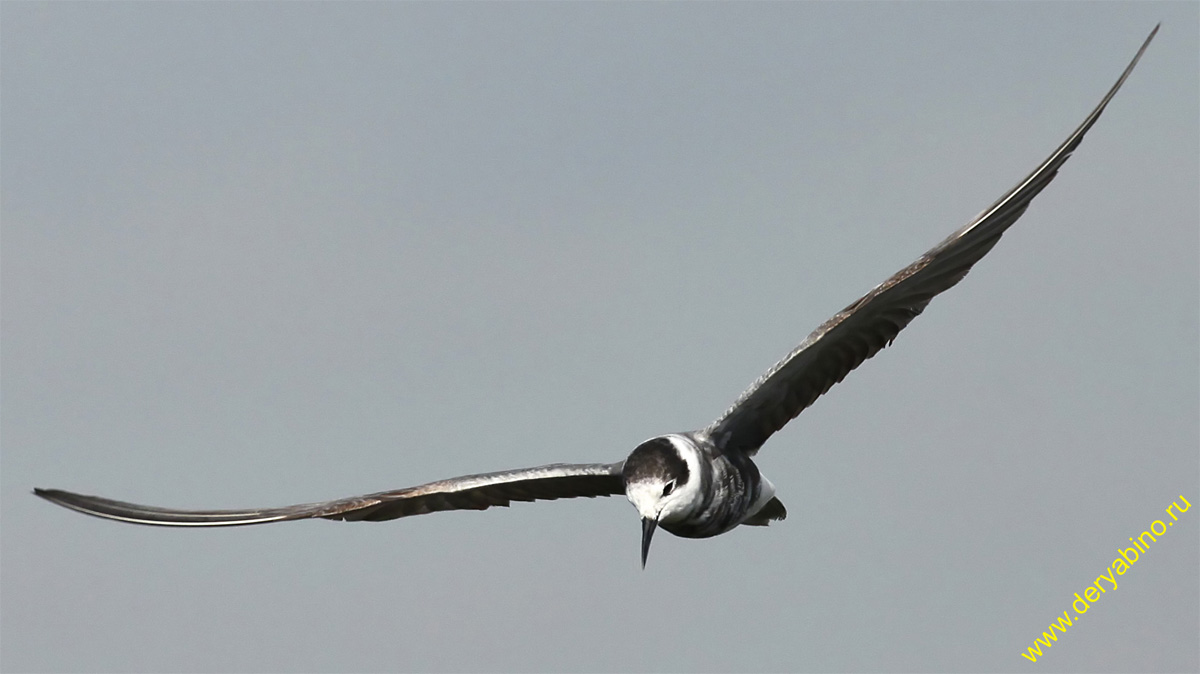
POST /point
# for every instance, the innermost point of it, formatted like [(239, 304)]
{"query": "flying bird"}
[(699, 483)]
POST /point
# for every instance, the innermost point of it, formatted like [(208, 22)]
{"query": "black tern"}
[(699, 483)]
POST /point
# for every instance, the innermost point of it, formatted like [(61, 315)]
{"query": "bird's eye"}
[(668, 488)]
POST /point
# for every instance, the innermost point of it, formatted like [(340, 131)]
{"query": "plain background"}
[(260, 254)]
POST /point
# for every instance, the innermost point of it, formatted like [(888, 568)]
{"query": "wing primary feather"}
[(469, 492), (872, 322)]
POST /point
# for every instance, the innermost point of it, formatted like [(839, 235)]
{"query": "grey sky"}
[(261, 254)]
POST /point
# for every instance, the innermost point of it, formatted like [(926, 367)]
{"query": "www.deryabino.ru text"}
[(1107, 581)]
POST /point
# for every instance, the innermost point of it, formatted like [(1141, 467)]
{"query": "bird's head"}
[(661, 482)]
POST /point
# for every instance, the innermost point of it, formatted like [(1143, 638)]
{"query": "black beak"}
[(648, 526)]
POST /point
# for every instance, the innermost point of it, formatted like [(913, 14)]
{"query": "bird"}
[(694, 484)]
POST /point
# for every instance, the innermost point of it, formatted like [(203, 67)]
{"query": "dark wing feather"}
[(860, 330), (469, 492)]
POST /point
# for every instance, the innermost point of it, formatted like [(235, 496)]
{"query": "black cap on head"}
[(656, 457)]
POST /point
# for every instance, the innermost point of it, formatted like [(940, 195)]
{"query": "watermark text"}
[(1107, 581)]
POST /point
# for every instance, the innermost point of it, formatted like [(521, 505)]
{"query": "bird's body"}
[(710, 492), (700, 483)]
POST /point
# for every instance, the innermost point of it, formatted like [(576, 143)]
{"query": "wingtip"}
[(55, 496), (48, 494), (1149, 38)]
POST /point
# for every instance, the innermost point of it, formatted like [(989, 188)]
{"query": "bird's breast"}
[(729, 487)]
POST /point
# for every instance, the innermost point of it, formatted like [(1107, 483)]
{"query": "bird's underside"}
[(823, 359)]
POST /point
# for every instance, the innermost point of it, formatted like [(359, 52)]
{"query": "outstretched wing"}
[(469, 492), (865, 327)]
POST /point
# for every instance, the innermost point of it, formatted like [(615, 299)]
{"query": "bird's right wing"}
[(860, 330), (469, 492)]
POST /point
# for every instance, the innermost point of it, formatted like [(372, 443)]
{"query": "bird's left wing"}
[(860, 330), (469, 492)]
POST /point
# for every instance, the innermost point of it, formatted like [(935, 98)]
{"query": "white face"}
[(649, 499), (666, 500)]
